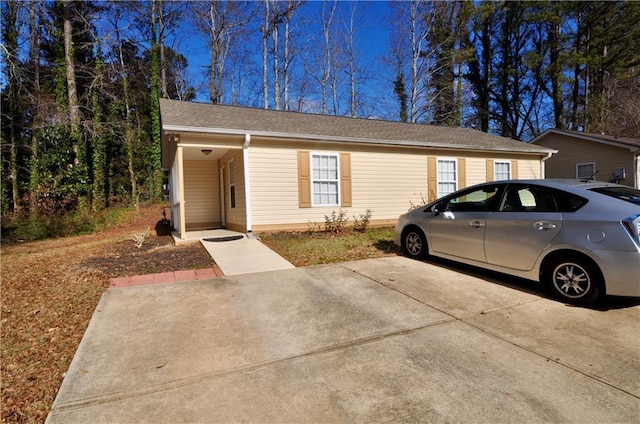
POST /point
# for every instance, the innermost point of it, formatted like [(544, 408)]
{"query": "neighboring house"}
[(256, 170), (582, 155)]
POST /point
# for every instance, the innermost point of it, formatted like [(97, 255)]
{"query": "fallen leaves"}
[(50, 290)]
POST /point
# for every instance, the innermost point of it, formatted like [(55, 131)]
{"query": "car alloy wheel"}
[(415, 243), (575, 281)]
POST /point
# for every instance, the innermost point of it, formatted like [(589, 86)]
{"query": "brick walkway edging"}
[(166, 277)]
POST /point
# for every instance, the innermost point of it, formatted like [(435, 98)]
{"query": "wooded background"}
[(81, 79)]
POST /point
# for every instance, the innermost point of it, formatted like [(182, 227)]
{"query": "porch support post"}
[(247, 191), (183, 224)]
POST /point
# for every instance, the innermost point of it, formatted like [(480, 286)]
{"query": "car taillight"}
[(632, 225)]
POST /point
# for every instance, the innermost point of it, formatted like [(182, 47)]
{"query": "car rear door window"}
[(627, 194), (522, 198)]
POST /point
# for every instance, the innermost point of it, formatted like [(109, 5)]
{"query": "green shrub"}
[(361, 223), (44, 226), (336, 223)]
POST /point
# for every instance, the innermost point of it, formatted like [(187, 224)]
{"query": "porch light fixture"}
[(207, 152)]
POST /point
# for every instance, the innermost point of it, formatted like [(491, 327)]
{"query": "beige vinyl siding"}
[(201, 192), (382, 179), (572, 151), (476, 170), (522, 168)]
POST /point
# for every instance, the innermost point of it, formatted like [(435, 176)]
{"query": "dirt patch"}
[(156, 255)]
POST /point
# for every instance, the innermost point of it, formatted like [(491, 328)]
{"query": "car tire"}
[(414, 243), (575, 280)]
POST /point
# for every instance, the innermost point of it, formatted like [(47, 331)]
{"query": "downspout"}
[(542, 165), (247, 191), (636, 177)]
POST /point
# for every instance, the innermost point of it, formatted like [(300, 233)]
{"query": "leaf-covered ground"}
[(49, 292)]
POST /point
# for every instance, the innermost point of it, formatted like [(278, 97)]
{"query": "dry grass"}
[(305, 248), (49, 292)]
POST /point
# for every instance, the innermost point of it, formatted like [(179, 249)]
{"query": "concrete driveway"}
[(369, 341)]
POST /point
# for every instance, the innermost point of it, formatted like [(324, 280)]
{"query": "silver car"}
[(580, 239)]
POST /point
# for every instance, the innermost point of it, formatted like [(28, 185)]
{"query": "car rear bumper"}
[(621, 272)]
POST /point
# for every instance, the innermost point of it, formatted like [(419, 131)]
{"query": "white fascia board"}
[(379, 142)]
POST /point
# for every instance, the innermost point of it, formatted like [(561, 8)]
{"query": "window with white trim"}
[(325, 179), (585, 170), (232, 183), (501, 170), (447, 176)]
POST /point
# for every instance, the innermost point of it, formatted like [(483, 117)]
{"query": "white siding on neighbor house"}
[(383, 180), (201, 192)]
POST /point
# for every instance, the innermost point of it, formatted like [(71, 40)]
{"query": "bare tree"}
[(292, 5), (409, 41), (325, 62), (266, 32), (129, 132), (221, 22)]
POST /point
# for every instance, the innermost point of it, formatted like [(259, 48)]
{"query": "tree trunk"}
[(35, 20), (128, 124), (155, 180), (163, 61), (265, 39), (276, 69), (72, 94)]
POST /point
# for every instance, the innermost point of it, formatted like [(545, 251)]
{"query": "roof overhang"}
[(541, 151), (587, 137)]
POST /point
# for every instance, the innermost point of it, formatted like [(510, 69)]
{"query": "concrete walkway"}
[(242, 256), (233, 253), (382, 340)]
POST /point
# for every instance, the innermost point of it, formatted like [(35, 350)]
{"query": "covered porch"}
[(206, 180)]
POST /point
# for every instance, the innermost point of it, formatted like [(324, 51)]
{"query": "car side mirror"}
[(436, 209)]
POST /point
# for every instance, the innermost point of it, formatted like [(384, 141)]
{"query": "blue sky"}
[(371, 44)]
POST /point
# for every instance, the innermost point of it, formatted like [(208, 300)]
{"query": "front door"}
[(223, 215)]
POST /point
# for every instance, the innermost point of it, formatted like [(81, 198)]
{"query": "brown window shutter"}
[(432, 171), (490, 176), (304, 179), (462, 173), (514, 169), (345, 179)]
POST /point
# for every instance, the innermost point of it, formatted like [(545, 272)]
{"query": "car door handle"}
[(476, 224), (544, 225)]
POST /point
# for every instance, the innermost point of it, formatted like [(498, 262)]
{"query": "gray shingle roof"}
[(210, 118), (626, 141)]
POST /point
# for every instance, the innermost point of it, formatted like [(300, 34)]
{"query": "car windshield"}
[(627, 194)]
